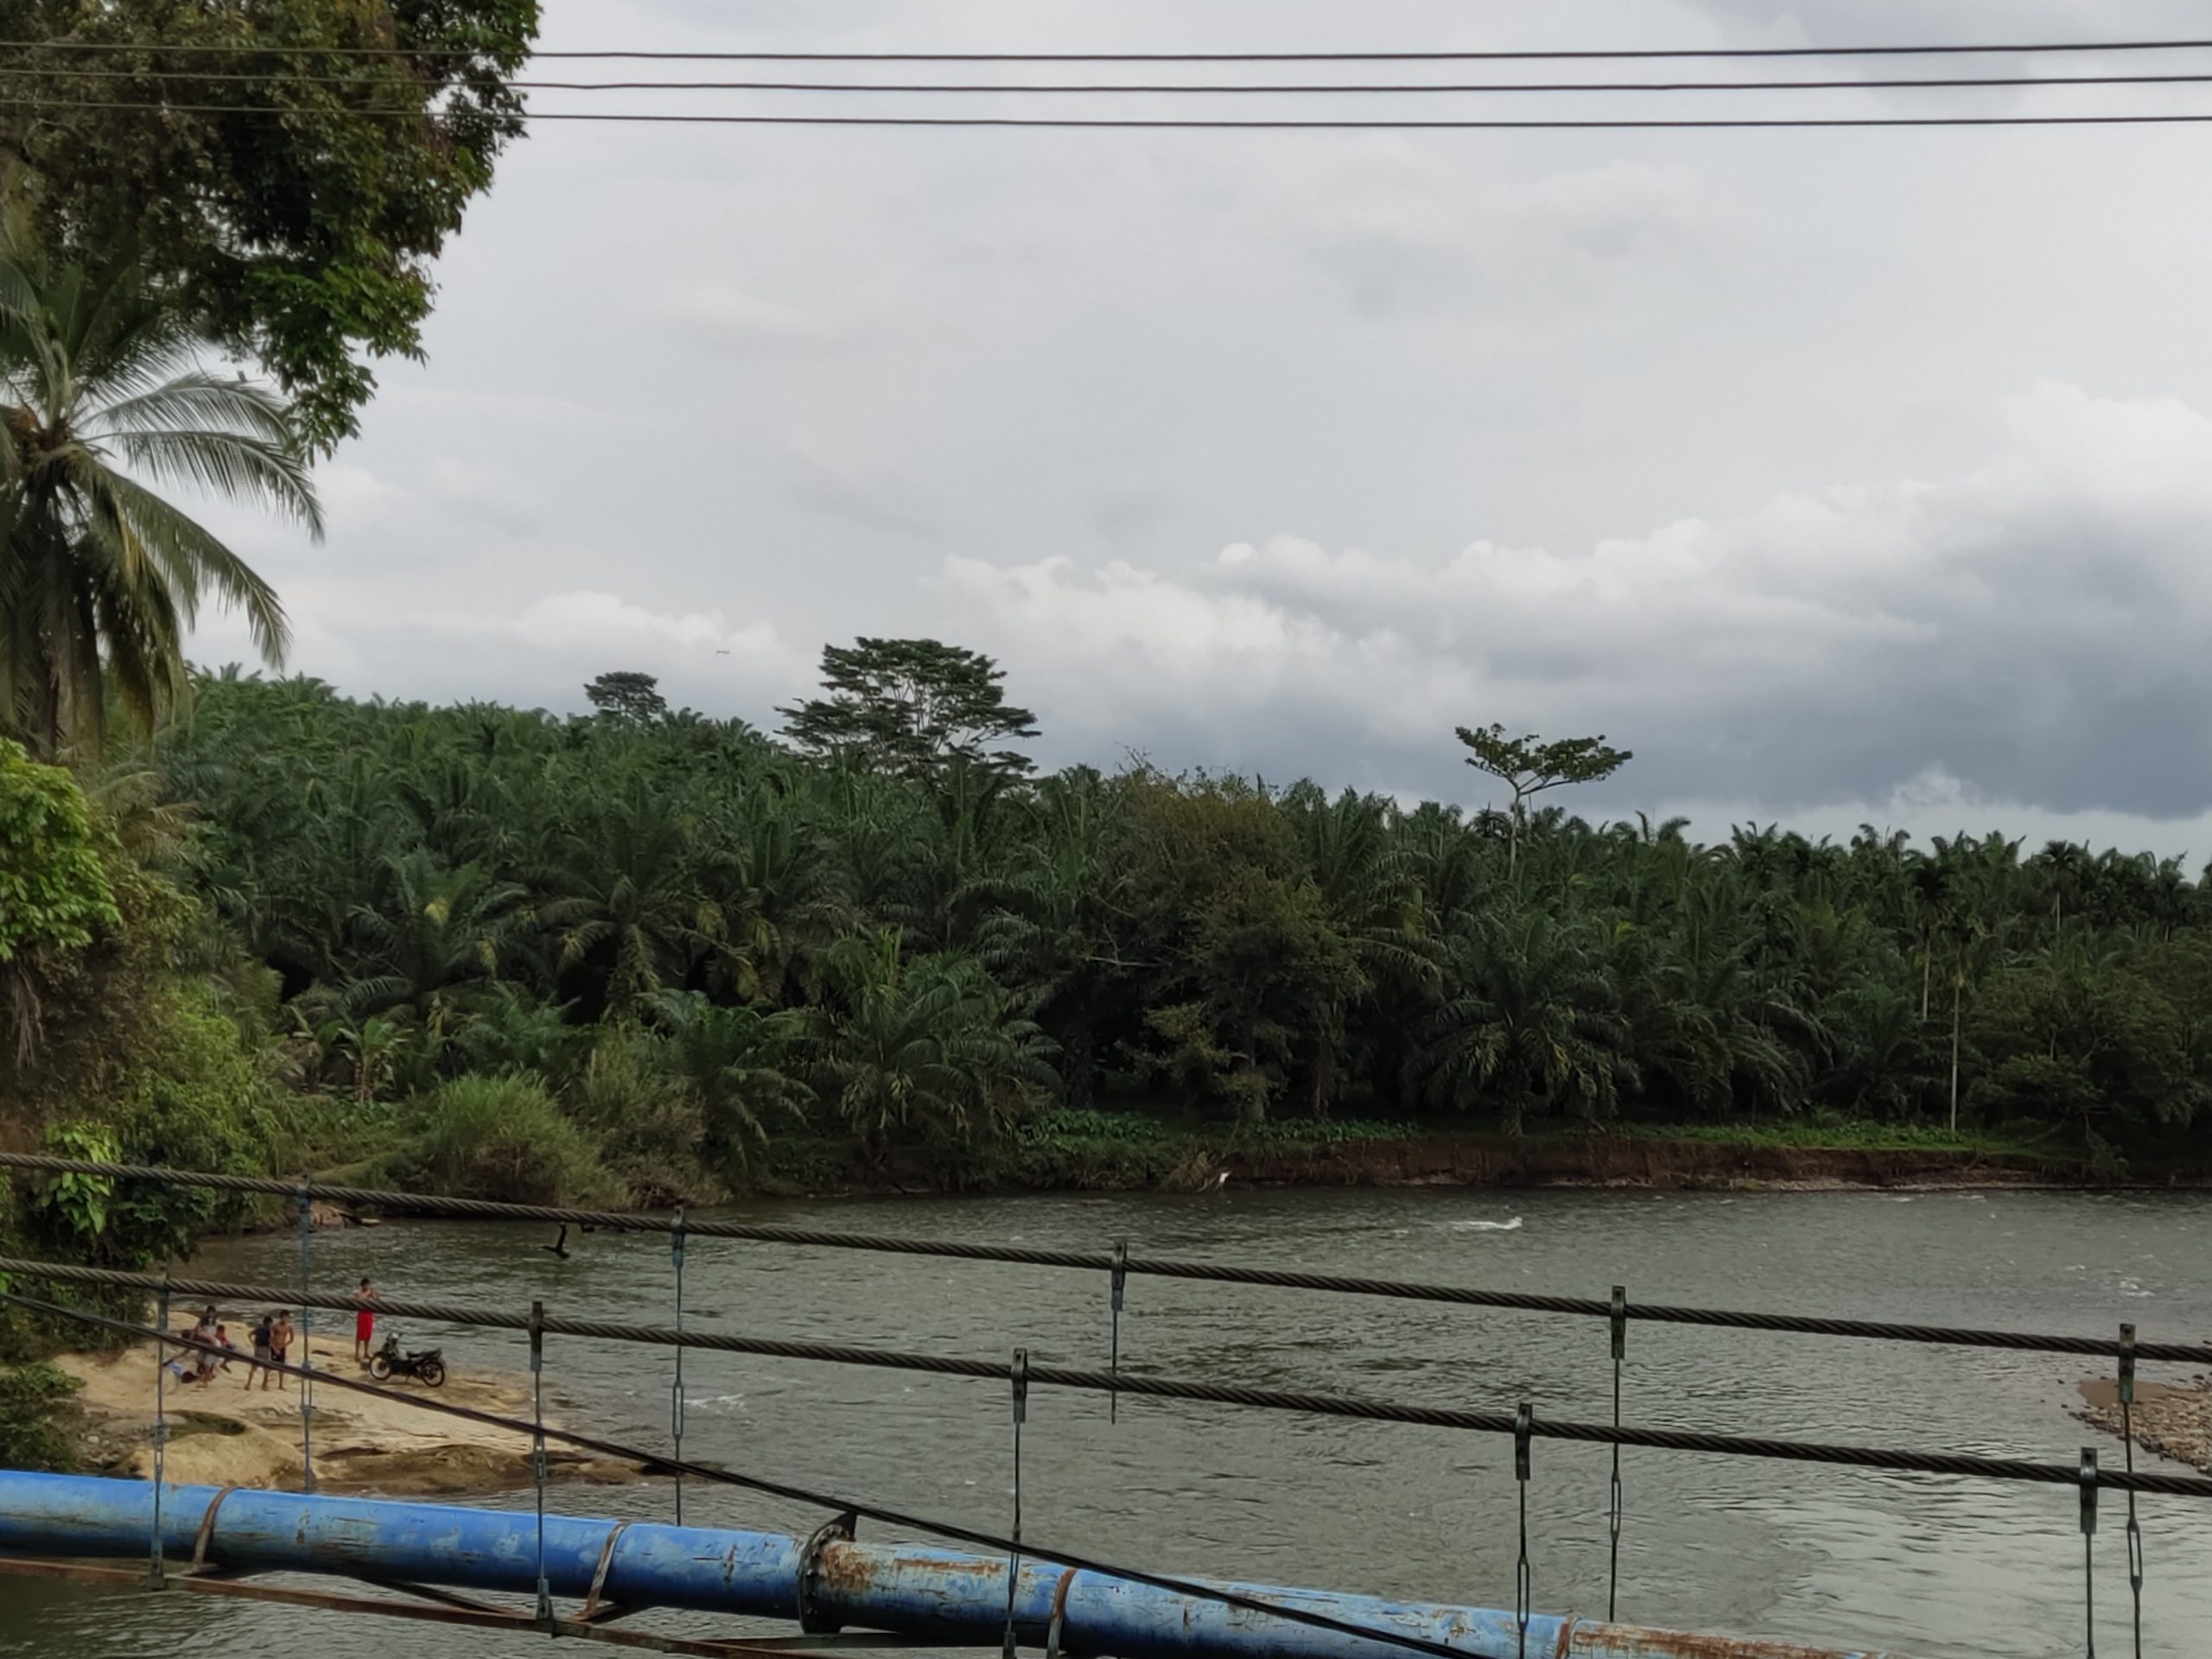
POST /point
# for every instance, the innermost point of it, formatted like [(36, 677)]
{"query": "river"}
[(1934, 1568)]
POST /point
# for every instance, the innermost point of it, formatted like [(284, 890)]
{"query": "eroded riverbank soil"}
[(222, 1433), (1627, 1161)]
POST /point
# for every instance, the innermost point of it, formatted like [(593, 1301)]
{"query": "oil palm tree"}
[(925, 1044), (1531, 1018), (103, 396)]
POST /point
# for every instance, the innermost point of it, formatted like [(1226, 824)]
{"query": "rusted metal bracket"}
[(837, 1530), (208, 1531), (1059, 1614), (599, 1577)]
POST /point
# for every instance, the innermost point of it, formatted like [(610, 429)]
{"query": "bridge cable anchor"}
[(1614, 1507), (2088, 1480), (676, 1389), (156, 1572), (2127, 1440), (1121, 1284), (1018, 1375), (305, 1194), (1523, 1426), (538, 1454)]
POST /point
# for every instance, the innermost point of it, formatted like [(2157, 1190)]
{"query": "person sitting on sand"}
[(364, 1323), (280, 1343), (203, 1363), (260, 1360)]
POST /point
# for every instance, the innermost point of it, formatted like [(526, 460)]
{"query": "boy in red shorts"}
[(364, 1323)]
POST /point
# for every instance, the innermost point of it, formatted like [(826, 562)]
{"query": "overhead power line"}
[(1586, 55), (1874, 84), (1169, 123)]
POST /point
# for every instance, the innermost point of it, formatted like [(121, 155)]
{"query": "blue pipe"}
[(943, 1594)]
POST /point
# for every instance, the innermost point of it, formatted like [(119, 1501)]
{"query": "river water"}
[(1934, 1568)]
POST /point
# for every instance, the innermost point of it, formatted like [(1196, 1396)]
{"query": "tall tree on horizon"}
[(912, 708), (1528, 766)]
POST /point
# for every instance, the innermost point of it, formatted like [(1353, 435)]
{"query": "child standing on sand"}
[(280, 1343), (260, 1360), (364, 1323)]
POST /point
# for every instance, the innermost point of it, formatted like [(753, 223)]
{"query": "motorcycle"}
[(429, 1366)]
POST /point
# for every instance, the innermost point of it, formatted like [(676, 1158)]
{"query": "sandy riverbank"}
[(2171, 1419), (223, 1433)]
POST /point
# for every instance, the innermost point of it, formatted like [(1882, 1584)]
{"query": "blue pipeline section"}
[(957, 1598)]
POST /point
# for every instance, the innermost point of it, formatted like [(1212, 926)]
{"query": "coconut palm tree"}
[(103, 396)]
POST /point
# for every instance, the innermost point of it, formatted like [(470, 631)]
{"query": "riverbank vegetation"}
[(642, 954)]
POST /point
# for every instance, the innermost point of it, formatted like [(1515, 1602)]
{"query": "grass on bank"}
[(1826, 1134), (1140, 1148)]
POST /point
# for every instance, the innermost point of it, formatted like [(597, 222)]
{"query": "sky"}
[(1843, 476)]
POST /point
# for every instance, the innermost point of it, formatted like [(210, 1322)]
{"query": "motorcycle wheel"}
[(379, 1367), (433, 1373)]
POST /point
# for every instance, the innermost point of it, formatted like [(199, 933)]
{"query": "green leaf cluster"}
[(288, 169), (53, 887)]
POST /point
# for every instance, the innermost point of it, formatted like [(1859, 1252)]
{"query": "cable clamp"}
[(1524, 1426), (1620, 1321), (2126, 1365), (1018, 1374), (2088, 1488)]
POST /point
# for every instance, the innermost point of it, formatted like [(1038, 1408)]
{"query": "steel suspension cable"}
[(422, 1203), (1868, 83), (1231, 1393)]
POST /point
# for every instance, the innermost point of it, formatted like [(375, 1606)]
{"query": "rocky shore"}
[(2173, 1420)]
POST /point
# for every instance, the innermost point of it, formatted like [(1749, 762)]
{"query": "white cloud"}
[(605, 622)]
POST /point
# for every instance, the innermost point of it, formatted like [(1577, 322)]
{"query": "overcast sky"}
[(1840, 475)]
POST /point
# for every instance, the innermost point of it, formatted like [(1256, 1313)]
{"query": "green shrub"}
[(502, 1137), (53, 887), (37, 1418), (648, 1121), (1299, 1133), (1066, 1126)]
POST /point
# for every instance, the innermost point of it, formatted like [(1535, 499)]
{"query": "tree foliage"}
[(287, 168), (628, 696), (1528, 766), (633, 957), (53, 886), (912, 708), (746, 942)]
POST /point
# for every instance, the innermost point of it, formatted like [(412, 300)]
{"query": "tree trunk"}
[(1958, 996), (46, 723), (1927, 971)]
